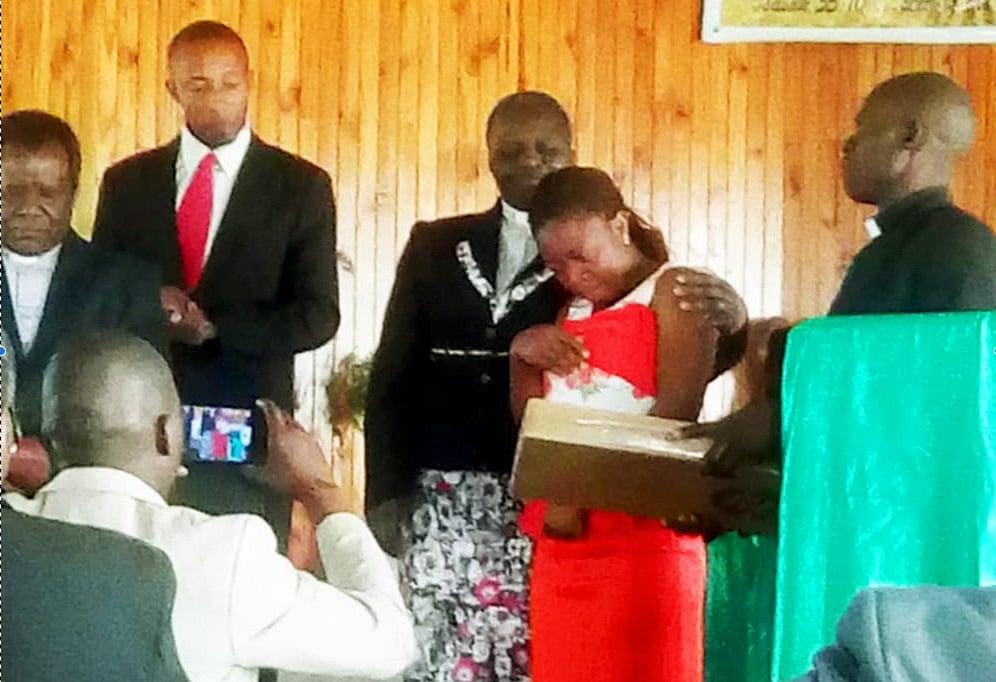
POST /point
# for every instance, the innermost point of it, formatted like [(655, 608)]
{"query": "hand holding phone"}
[(295, 464)]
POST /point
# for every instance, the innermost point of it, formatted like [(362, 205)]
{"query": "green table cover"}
[(889, 439), (740, 608)]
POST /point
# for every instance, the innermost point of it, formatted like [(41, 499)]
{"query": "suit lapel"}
[(162, 190), (63, 294), (483, 240), (10, 323), (251, 196)]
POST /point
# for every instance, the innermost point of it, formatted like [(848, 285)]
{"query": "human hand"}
[(713, 298), (186, 321), (296, 465), (740, 439), (548, 347), (564, 522), (749, 505)]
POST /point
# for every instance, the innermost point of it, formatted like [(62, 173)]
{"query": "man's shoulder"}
[(124, 269), (185, 524), (942, 629), (77, 544), (448, 232), (144, 160), (285, 162)]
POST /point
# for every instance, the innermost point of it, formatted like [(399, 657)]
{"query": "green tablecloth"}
[(889, 438), (740, 608)]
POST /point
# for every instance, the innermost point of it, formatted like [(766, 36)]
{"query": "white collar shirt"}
[(228, 160), (516, 246), (29, 279)]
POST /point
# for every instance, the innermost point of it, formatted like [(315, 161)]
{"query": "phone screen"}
[(218, 434)]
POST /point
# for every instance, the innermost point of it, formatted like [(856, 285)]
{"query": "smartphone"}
[(219, 434)]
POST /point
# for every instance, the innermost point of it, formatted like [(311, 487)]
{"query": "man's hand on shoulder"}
[(185, 321), (296, 465), (713, 298)]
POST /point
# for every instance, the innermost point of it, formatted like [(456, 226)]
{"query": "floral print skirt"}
[(466, 573)]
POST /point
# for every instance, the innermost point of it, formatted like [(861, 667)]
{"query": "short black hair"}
[(529, 103), (31, 129), (578, 191), (206, 31)]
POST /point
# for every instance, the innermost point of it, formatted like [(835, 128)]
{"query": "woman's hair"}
[(577, 191)]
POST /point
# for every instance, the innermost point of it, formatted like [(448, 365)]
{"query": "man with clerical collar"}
[(54, 283), (926, 254)]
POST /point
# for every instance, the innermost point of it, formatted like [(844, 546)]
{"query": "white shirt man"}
[(240, 605)]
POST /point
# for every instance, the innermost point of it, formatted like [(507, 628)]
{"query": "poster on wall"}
[(849, 21)]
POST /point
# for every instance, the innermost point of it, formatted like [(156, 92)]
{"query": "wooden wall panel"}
[(732, 150)]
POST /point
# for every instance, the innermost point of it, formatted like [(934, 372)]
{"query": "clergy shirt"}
[(516, 246), (228, 160), (29, 278)]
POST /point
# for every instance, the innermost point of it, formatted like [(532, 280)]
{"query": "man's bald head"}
[(931, 100), (109, 400), (910, 130)]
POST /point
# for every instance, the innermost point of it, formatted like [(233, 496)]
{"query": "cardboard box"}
[(607, 460)]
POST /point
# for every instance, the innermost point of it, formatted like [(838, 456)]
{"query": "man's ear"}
[(172, 90), (164, 444), (913, 135)]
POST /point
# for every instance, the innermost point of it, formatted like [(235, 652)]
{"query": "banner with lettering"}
[(849, 21)]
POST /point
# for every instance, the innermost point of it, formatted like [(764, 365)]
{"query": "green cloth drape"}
[(889, 442)]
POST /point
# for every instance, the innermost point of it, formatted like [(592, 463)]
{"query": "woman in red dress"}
[(613, 597)]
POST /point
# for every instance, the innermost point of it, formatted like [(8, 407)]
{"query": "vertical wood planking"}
[(732, 150)]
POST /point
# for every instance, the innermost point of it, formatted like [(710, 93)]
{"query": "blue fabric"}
[(889, 439)]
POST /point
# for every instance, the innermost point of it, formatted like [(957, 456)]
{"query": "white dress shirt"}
[(516, 246), (29, 279), (240, 605), (228, 160)]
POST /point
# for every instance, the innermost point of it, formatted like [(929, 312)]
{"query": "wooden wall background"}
[(732, 150)]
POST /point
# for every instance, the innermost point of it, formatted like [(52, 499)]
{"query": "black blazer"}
[(439, 386), (269, 284), (84, 604), (89, 290)]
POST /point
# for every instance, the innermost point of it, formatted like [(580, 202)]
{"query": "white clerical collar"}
[(872, 228), (48, 259), (513, 216), (229, 155)]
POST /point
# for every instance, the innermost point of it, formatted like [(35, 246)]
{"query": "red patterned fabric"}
[(625, 601), (193, 219)]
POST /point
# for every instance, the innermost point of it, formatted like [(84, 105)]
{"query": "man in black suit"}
[(80, 603), (54, 283), (243, 235)]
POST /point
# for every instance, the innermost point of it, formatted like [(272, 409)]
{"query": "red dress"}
[(625, 601)]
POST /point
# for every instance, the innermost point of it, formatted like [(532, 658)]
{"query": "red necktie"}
[(193, 218)]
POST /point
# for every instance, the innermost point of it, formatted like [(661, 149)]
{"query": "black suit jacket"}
[(89, 290), (84, 604), (269, 284), (439, 386)]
